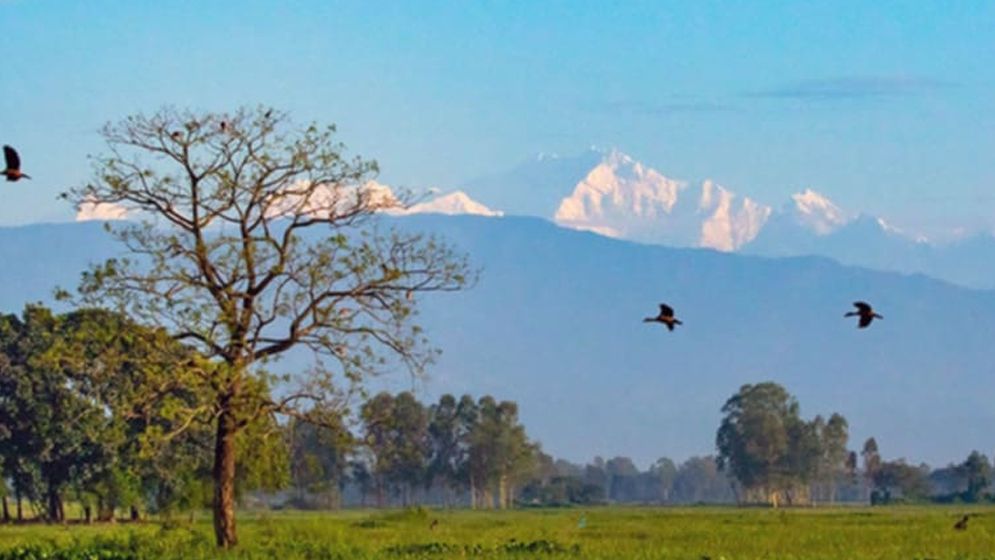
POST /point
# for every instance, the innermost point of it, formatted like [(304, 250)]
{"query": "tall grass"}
[(641, 533)]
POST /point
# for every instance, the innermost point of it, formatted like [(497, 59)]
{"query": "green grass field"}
[(686, 533)]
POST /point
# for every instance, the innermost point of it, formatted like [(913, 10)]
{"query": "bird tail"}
[(648, 320), (878, 316), (678, 322)]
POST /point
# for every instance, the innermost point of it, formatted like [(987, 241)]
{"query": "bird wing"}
[(666, 310), (11, 158), (865, 320), (863, 307)]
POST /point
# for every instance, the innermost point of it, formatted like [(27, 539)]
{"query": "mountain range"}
[(555, 323), (610, 193)]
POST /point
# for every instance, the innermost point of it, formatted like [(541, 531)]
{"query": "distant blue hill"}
[(555, 323)]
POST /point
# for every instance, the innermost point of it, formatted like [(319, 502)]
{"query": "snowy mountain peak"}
[(457, 202), (614, 190), (818, 212), (729, 224), (621, 197)]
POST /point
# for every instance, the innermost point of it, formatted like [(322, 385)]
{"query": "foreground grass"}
[(684, 533)]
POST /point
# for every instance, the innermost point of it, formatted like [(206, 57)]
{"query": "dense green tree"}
[(623, 479), (977, 474), (48, 422), (871, 458), (753, 439), (832, 467), (500, 454), (396, 433), (448, 446), (252, 236), (699, 480), (663, 472), (319, 460), (97, 393), (897, 480), (771, 451)]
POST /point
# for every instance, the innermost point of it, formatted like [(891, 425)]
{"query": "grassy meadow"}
[(685, 533)]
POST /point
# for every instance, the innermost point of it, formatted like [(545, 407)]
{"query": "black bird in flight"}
[(865, 313), (13, 165), (666, 317)]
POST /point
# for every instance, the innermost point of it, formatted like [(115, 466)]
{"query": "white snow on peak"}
[(818, 212), (618, 187), (103, 211), (729, 225), (623, 198), (457, 202)]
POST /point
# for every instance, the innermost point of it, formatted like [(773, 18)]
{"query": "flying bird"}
[(666, 317), (13, 165), (865, 312)]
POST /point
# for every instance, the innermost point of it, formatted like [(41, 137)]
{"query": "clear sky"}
[(886, 107)]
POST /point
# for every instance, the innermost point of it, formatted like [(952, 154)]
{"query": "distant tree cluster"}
[(776, 457), (473, 453)]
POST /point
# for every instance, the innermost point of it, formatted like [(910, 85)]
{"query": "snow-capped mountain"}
[(815, 212), (457, 202), (611, 193), (623, 198), (378, 195)]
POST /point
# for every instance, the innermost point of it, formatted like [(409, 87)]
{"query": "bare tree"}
[(250, 236)]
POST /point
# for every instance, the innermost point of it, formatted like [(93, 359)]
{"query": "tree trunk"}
[(224, 479), (503, 492), (20, 508), (88, 514), (473, 493), (55, 511), (6, 510), (135, 515), (105, 510)]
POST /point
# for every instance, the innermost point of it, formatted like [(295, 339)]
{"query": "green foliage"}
[(396, 433), (253, 236), (98, 404), (774, 454)]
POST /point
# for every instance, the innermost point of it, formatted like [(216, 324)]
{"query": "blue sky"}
[(886, 107)]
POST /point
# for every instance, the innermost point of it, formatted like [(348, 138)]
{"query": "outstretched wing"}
[(10, 158), (666, 310), (863, 307), (865, 320)]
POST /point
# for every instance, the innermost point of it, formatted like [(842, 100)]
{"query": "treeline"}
[(774, 456), (471, 453), (100, 411)]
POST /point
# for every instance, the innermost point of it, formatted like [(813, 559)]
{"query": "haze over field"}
[(555, 324)]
